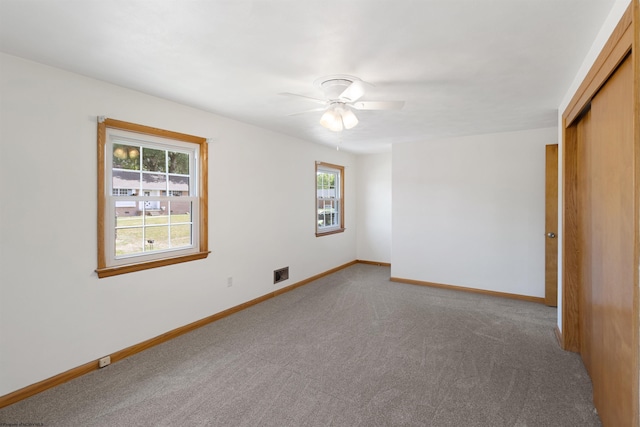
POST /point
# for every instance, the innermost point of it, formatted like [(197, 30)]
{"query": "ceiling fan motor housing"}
[(333, 88)]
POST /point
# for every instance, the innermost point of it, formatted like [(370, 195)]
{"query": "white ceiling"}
[(462, 66)]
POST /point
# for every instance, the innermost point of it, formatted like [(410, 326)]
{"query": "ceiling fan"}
[(341, 93)]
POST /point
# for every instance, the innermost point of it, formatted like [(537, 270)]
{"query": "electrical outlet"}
[(104, 361), (229, 282)]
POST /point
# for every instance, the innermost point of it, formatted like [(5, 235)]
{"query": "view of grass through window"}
[(138, 234)]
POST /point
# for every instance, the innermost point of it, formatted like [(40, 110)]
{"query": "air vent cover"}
[(280, 275)]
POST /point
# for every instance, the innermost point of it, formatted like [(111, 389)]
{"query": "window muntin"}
[(142, 223), (329, 198)]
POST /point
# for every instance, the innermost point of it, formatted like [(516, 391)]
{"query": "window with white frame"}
[(329, 198), (121, 192), (142, 223)]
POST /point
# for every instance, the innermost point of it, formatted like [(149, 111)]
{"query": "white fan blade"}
[(316, 100), (378, 105), (307, 111), (353, 92)]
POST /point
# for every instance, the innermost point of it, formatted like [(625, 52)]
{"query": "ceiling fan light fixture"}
[(349, 119), (332, 120), (338, 117)]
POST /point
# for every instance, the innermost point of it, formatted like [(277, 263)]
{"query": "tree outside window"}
[(329, 199)]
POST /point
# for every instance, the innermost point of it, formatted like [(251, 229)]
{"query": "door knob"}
[(551, 235)]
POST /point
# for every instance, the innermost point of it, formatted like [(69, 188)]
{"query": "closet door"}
[(606, 233), (585, 180)]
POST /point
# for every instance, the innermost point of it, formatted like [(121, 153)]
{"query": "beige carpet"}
[(350, 349)]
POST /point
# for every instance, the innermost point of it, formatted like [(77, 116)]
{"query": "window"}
[(142, 223), (329, 199)]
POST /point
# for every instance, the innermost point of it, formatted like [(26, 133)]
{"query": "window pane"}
[(179, 185), (153, 183), (153, 160), (327, 193), (153, 218), (129, 241), (178, 163), (150, 207), (323, 180), (126, 180), (181, 235), (180, 208), (128, 217), (156, 238), (126, 157)]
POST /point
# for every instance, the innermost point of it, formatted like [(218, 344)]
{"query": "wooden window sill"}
[(130, 268), (327, 233)]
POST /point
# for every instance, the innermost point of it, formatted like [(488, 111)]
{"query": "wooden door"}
[(551, 226), (606, 247), (586, 254)]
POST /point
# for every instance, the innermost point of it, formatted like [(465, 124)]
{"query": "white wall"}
[(470, 211), (603, 35), (54, 312), (374, 207)]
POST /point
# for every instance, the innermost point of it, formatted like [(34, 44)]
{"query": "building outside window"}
[(329, 198)]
